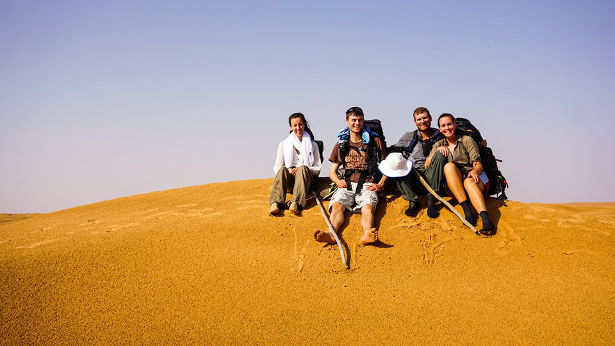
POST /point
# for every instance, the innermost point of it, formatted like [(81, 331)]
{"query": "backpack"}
[(427, 144), (497, 181), (374, 128), (320, 149)]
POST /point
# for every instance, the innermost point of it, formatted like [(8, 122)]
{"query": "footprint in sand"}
[(298, 255), (445, 224), (114, 228), (90, 222), (569, 222), (186, 205), (249, 207), (157, 215), (235, 197), (432, 249), (194, 212), (37, 244), (511, 239), (608, 222), (578, 251), (212, 214), (147, 211)]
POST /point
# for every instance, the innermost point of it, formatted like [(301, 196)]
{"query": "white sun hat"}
[(395, 165)]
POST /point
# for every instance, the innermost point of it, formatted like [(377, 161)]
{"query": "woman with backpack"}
[(464, 171), (297, 163)]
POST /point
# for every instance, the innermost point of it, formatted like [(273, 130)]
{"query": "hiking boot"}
[(413, 208), (294, 208), (274, 210), (432, 212)]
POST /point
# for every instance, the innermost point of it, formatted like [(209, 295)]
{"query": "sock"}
[(431, 207), (468, 212), (487, 224)]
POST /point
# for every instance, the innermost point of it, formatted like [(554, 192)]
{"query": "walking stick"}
[(332, 230), (448, 205)]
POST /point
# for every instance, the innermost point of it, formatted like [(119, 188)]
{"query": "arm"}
[(279, 159), (441, 148), (333, 176), (476, 171), (379, 186)]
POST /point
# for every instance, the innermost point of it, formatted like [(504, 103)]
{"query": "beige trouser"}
[(300, 184)]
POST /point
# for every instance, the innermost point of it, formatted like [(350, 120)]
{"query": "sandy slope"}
[(207, 264)]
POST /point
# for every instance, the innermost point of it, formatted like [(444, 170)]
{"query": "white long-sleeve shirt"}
[(298, 159)]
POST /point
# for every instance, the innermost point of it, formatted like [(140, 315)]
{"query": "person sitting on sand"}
[(463, 171), (296, 165), (416, 145), (358, 152)]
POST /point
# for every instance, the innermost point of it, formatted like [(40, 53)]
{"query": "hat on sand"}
[(395, 165)]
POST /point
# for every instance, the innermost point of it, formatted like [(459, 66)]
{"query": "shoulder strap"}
[(415, 139)]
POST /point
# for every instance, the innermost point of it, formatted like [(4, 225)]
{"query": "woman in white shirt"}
[(297, 163)]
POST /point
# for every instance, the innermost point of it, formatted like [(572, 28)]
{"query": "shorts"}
[(352, 201)]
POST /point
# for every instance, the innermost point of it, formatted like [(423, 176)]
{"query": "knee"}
[(450, 168), (469, 183), (339, 207), (282, 171), (302, 171), (367, 209), (438, 157)]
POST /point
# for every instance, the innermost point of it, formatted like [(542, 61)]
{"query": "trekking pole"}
[(332, 230), (448, 205)]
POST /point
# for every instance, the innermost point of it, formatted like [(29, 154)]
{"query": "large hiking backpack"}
[(375, 129), (497, 181)]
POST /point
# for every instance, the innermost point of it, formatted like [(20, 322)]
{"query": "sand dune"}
[(207, 264)]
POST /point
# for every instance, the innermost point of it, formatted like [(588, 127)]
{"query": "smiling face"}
[(297, 126), (422, 121), (447, 126), (355, 123)]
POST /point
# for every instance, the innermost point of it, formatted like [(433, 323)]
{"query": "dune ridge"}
[(207, 264)]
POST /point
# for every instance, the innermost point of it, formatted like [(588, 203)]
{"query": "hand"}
[(473, 175), (341, 184), (293, 170), (444, 151), (375, 187)]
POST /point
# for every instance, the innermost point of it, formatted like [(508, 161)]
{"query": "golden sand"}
[(207, 264)]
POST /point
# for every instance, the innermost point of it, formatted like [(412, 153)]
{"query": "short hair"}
[(444, 115), (421, 110), (357, 111)]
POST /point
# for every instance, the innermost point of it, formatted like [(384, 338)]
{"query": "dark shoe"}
[(432, 212), (468, 212), (413, 208), (488, 226), (487, 232)]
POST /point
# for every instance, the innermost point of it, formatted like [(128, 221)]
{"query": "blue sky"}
[(103, 99)]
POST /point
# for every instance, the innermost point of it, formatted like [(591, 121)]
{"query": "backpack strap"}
[(413, 142)]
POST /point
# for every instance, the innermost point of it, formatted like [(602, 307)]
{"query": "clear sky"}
[(104, 99)]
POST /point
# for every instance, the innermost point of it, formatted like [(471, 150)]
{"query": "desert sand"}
[(207, 264)]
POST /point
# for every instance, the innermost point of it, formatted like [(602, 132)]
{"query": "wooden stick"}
[(448, 205), (332, 230)]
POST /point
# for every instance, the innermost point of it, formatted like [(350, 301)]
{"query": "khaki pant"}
[(410, 186), (299, 183)]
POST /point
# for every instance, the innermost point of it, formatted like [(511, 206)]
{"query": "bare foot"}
[(324, 237), (369, 237)]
